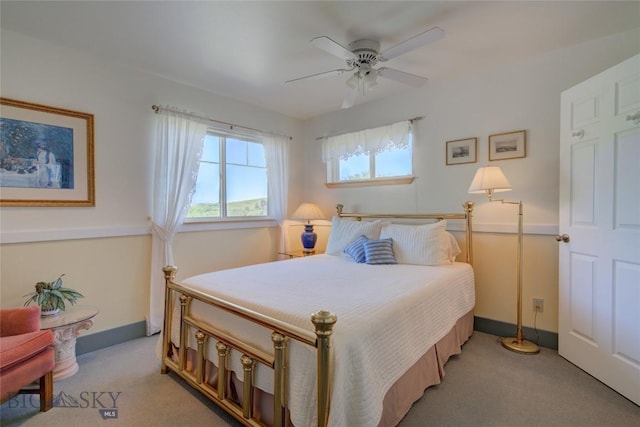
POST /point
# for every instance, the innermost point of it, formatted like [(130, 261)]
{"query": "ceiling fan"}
[(362, 55)]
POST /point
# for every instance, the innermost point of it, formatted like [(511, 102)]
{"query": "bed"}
[(390, 305)]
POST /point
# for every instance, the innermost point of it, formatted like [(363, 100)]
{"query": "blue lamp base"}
[(309, 238)]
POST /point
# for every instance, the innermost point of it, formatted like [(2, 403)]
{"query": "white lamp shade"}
[(307, 211), (489, 179)]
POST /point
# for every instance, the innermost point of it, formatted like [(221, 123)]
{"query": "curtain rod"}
[(157, 108), (415, 119)]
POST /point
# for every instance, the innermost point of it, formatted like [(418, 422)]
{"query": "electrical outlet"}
[(538, 305)]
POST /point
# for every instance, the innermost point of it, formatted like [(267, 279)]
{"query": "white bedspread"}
[(388, 317)]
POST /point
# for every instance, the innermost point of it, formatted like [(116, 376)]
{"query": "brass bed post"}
[(279, 380), (323, 321), (468, 209), (223, 350), (184, 332), (169, 276), (247, 386), (201, 339)]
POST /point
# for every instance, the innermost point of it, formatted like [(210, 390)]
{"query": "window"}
[(232, 179), (373, 154), (390, 163)]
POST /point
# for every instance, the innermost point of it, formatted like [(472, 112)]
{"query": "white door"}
[(599, 301)]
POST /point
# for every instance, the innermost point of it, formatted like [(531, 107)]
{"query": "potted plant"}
[(51, 296)]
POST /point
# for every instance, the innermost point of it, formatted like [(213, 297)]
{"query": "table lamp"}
[(307, 212)]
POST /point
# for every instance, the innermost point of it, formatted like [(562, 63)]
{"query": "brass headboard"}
[(466, 216)]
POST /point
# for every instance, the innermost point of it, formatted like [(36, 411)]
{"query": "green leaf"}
[(42, 298), (57, 284)]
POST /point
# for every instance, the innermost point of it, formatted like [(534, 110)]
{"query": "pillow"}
[(420, 244), (379, 251), (454, 248), (356, 249), (344, 232)]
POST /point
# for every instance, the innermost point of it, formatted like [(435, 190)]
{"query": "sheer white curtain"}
[(373, 140), (179, 146), (276, 149)]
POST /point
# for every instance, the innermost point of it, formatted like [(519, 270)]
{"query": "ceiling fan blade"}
[(350, 97), (332, 47), (429, 36), (402, 77), (322, 75)]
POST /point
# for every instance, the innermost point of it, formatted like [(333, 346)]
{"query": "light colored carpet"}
[(484, 386)]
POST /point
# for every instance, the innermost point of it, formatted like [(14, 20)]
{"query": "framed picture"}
[(509, 145), (461, 151), (46, 156)]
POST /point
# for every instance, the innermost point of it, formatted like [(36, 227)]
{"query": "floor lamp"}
[(489, 180)]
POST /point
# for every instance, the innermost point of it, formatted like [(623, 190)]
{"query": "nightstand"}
[(298, 253)]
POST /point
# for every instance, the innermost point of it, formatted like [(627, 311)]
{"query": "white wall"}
[(105, 250), (524, 95), (120, 100)]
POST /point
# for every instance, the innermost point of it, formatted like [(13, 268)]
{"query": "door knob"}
[(635, 118), (563, 238)]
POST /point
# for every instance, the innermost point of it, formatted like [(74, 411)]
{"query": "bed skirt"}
[(426, 372)]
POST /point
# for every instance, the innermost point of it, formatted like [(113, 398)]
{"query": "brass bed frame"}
[(281, 332)]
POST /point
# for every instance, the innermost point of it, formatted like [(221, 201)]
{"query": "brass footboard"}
[(281, 333)]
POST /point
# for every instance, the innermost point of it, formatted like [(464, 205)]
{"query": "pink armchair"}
[(26, 355)]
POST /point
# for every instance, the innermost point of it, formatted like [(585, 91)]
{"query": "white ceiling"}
[(247, 50)]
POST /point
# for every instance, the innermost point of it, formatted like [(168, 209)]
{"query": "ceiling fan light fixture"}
[(352, 82), (371, 79)]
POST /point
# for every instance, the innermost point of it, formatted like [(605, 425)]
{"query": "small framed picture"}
[(509, 145), (462, 151)]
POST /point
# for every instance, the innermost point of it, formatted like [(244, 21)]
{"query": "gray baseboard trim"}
[(89, 343), (502, 329)]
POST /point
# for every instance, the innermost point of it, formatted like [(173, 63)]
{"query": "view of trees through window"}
[(232, 179)]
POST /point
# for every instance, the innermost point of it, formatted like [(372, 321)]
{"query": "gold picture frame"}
[(508, 145), (46, 155), (461, 151)]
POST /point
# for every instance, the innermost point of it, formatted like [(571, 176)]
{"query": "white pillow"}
[(419, 244), (344, 231), (454, 248)]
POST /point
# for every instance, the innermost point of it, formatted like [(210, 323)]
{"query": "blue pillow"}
[(356, 249), (379, 251)]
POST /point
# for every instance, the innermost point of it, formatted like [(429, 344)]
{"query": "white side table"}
[(66, 326)]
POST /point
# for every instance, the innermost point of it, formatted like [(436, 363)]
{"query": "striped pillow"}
[(379, 251), (356, 249)]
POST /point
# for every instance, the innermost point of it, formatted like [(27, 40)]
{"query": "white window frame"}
[(233, 221), (370, 142)]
